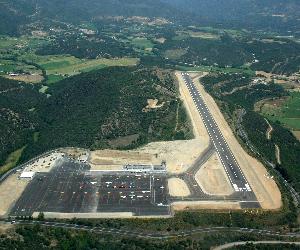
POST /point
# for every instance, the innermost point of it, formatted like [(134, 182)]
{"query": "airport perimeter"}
[(64, 185)]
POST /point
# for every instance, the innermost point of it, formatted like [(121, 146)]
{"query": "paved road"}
[(268, 242), (158, 235), (232, 168)]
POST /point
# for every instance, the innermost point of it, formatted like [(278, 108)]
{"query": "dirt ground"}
[(179, 155), (269, 130), (277, 153), (173, 152), (5, 227), (187, 205), (10, 190), (27, 78), (212, 177), (152, 104), (178, 188), (115, 159), (268, 76), (297, 134), (265, 189), (160, 40)]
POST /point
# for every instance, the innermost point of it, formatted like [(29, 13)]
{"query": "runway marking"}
[(196, 95)]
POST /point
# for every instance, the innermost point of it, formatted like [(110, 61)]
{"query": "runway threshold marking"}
[(194, 92)]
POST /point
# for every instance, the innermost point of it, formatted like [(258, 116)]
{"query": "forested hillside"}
[(18, 119), (13, 15), (91, 110), (270, 15)]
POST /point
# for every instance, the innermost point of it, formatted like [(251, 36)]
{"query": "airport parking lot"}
[(71, 188)]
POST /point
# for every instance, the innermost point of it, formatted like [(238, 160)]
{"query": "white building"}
[(27, 175)]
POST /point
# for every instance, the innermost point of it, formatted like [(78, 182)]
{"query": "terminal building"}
[(139, 168)]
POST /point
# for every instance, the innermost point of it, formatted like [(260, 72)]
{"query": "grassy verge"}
[(12, 160), (286, 112)]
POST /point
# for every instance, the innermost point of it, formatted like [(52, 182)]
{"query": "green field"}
[(142, 43), (288, 112), (174, 54), (57, 67)]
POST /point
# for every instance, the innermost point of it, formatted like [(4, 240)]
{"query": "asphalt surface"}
[(71, 188), (243, 192), (232, 168)]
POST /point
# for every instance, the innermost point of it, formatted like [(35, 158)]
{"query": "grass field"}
[(174, 54), (12, 160), (286, 111), (58, 67), (196, 34), (142, 43)]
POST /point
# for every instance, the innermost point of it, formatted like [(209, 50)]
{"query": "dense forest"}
[(86, 47), (90, 110), (18, 119), (278, 57), (39, 237), (271, 15), (268, 15)]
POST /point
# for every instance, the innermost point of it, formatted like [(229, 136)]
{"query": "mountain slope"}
[(277, 15)]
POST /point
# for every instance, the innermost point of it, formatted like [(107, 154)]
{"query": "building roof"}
[(27, 175)]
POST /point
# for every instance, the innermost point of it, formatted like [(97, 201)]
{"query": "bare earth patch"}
[(152, 104), (115, 159), (297, 134), (179, 155), (212, 177), (178, 188), (160, 40), (188, 205), (5, 227), (269, 130), (27, 78), (268, 76), (277, 153), (10, 190)]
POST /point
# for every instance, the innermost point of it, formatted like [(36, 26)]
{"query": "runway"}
[(232, 168)]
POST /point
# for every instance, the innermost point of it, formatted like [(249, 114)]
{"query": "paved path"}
[(241, 243)]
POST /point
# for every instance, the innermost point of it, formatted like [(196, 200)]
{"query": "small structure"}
[(27, 175), (139, 168)]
